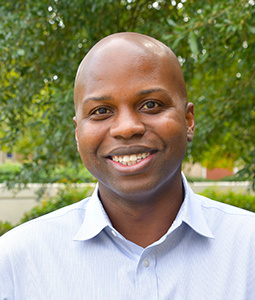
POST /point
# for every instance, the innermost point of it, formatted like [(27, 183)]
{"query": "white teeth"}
[(129, 160), (133, 157), (126, 159)]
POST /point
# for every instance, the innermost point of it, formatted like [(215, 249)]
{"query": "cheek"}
[(170, 129), (90, 138), (174, 139)]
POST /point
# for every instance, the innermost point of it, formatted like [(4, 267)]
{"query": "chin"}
[(134, 190)]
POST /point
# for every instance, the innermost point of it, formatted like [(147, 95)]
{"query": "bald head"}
[(124, 49)]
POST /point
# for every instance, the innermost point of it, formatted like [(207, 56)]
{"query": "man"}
[(143, 234)]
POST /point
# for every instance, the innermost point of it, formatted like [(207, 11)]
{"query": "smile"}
[(130, 160)]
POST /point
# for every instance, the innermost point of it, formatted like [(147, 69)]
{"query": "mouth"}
[(130, 160)]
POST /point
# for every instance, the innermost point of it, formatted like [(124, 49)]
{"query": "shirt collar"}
[(191, 212), (95, 219)]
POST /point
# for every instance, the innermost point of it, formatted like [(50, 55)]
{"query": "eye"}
[(101, 111), (150, 105)]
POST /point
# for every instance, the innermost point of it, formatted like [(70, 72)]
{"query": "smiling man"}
[(143, 234), (132, 126)]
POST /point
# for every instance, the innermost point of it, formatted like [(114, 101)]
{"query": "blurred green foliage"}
[(245, 201), (9, 171), (231, 178), (62, 174), (64, 197), (4, 227), (42, 43)]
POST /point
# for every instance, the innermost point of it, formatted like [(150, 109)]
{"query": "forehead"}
[(121, 62), (120, 54)]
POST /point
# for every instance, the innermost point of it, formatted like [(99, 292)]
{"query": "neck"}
[(144, 222)]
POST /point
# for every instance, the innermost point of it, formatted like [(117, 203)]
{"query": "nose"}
[(127, 125)]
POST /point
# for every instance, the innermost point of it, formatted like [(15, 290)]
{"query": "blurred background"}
[(43, 42)]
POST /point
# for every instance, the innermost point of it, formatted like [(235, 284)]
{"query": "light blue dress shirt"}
[(75, 253)]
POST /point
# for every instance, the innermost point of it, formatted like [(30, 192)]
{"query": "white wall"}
[(13, 204)]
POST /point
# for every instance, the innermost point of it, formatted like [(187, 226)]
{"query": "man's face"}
[(131, 125)]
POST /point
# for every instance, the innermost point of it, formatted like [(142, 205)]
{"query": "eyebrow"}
[(156, 90), (91, 99), (101, 98)]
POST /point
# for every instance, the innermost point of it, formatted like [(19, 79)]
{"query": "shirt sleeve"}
[(6, 272)]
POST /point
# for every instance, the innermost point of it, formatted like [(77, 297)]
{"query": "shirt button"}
[(146, 263)]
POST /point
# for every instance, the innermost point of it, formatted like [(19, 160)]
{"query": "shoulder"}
[(227, 220), (223, 208), (65, 220), (36, 244), (216, 212)]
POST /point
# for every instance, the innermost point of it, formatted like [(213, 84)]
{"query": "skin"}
[(130, 98)]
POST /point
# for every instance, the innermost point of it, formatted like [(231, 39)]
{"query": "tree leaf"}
[(21, 52), (171, 23), (251, 28), (177, 41), (193, 43)]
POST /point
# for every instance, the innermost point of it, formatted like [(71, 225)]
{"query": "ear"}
[(190, 121), (76, 138)]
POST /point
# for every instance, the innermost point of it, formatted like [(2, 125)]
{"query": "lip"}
[(129, 150), (137, 168)]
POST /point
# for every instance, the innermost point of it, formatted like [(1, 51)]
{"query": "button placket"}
[(146, 276)]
